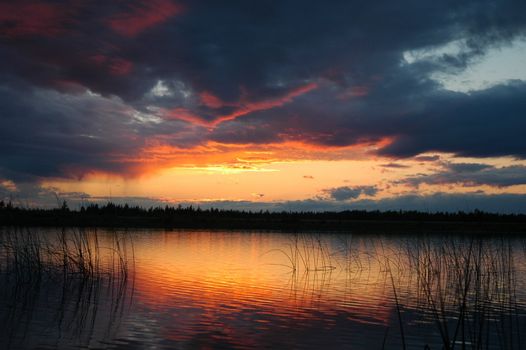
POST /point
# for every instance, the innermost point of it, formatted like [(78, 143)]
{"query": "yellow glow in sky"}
[(270, 180)]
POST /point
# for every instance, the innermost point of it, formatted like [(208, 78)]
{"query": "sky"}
[(278, 105)]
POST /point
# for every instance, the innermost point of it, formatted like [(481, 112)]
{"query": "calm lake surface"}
[(153, 289)]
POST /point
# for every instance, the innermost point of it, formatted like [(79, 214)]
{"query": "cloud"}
[(49, 134), (438, 202), (471, 174), (433, 158), (480, 124), (346, 193), (8, 186), (143, 15), (30, 195), (74, 74), (33, 195), (32, 18), (394, 166)]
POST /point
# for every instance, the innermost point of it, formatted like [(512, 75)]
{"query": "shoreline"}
[(112, 215), (337, 225)]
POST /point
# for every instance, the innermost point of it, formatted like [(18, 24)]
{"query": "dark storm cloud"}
[(48, 134), (480, 124), (438, 202), (394, 166), (331, 74), (420, 119), (497, 203), (258, 49), (472, 174), (427, 158), (31, 195), (346, 192)]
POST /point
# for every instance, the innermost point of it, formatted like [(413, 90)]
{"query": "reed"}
[(69, 272), (468, 285), (306, 253), (463, 286)]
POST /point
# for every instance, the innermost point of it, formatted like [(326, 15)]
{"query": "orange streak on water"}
[(219, 276)]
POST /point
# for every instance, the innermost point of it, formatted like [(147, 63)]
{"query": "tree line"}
[(125, 215)]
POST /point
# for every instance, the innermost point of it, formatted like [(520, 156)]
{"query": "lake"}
[(156, 289)]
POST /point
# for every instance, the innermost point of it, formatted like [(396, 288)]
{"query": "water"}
[(216, 289)]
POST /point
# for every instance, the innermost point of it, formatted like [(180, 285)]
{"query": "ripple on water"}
[(239, 290)]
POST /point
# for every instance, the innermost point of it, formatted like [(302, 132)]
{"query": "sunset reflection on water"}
[(239, 289)]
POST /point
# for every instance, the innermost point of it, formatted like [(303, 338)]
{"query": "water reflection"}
[(62, 289), (255, 289)]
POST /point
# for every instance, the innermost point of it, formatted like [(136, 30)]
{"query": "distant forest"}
[(115, 215)]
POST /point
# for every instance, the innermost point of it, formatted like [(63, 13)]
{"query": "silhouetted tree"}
[(64, 206)]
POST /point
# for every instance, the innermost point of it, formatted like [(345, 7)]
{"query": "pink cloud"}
[(141, 17), (119, 66), (211, 100), (183, 114), (355, 91), (113, 65), (31, 18), (250, 107), (243, 107)]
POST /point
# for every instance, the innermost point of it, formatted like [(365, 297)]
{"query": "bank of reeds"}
[(463, 288), (307, 253), (80, 279), (468, 285)]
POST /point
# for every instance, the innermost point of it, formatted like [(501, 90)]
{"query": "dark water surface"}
[(153, 289)]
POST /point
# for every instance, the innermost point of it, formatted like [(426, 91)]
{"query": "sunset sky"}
[(279, 105)]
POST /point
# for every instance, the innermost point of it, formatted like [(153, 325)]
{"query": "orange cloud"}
[(159, 155)]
